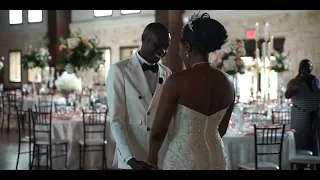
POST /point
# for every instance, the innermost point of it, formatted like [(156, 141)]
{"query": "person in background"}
[(304, 90)]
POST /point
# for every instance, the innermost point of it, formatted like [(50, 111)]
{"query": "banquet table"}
[(29, 102), (240, 149), (72, 130)]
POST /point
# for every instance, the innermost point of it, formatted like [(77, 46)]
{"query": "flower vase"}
[(86, 76), (66, 94)]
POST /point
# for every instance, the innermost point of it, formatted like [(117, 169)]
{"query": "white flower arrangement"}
[(68, 82), (228, 58), (281, 62)]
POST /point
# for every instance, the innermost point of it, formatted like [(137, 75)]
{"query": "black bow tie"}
[(153, 68)]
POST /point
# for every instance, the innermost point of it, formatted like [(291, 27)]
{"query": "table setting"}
[(239, 142)]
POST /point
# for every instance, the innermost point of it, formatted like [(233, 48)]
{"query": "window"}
[(269, 81), (248, 82), (34, 16), (130, 11), (102, 73), (34, 75), (15, 66), (108, 62), (102, 13), (15, 16), (126, 52)]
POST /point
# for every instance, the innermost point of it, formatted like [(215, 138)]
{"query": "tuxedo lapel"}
[(157, 92), (139, 79)]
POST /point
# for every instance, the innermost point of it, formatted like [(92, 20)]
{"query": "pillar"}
[(172, 19), (58, 27), (162, 16), (174, 61)]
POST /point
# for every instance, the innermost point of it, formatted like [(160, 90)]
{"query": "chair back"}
[(42, 123), (268, 142), (254, 117), (281, 116), (94, 125), (45, 99)]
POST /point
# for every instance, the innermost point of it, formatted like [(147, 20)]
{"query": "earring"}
[(187, 54)]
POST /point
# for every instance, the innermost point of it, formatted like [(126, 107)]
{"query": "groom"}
[(133, 87)]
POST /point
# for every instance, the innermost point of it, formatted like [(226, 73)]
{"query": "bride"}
[(200, 100)]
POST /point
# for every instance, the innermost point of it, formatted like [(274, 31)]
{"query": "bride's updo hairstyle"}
[(204, 34)]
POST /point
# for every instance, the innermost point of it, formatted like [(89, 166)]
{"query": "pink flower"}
[(279, 65), (224, 69)]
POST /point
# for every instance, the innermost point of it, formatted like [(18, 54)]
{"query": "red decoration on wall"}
[(251, 34)]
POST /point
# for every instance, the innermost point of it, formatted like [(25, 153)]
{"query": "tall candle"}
[(271, 42), (266, 32), (257, 53), (264, 48), (257, 31), (269, 49)]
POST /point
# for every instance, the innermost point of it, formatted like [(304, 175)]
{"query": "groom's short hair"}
[(154, 29)]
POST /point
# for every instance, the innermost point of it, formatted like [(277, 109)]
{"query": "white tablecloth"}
[(29, 102), (240, 149), (72, 130)]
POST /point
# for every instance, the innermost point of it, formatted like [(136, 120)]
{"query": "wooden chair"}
[(94, 123), (270, 137), (24, 135), (281, 116), (42, 124)]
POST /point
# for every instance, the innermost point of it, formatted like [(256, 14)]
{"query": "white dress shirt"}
[(151, 77)]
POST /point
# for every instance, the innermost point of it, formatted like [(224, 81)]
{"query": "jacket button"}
[(140, 97), (148, 129), (148, 113)]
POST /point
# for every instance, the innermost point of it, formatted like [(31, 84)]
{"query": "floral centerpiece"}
[(80, 53), (281, 62), (36, 58), (68, 83), (228, 58)]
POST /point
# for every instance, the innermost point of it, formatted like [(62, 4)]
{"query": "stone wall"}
[(19, 37), (301, 31)]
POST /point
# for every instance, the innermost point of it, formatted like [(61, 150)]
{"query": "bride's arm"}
[(167, 106), (223, 126)]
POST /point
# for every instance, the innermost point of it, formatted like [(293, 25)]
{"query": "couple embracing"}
[(167, 121)]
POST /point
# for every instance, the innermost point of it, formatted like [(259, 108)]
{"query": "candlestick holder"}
[(263, 60)]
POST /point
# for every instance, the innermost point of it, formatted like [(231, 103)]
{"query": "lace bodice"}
[(194, 141)]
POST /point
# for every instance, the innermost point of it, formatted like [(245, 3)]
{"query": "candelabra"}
[(261, 60)]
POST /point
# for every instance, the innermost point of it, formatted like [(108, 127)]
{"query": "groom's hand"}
[(138, 165)]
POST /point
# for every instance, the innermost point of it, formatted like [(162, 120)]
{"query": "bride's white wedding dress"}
[(194, 141)]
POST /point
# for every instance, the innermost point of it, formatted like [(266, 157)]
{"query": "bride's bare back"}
[(204, 89)]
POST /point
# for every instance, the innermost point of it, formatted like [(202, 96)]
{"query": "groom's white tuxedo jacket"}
[(132, 109)]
